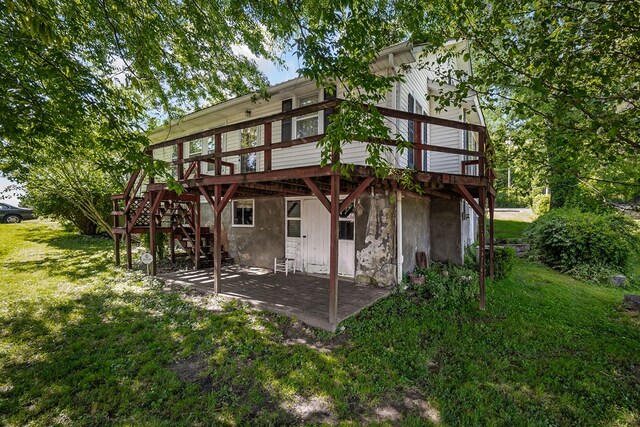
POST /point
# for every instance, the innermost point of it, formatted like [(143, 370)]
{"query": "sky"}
[(274, 73)]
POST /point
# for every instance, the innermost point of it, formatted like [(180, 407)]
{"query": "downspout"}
[(394, 105), (399, 257)]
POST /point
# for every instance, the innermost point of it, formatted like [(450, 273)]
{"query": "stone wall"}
[(253, 246), (446, 231), (415, 230), (375, 240)]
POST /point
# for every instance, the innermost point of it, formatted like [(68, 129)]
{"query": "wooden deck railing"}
[(193, 168)]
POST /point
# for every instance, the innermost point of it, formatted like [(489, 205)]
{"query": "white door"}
[(316, 243)]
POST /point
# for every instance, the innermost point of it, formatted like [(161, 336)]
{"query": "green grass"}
[(83, 343), (509, 230)]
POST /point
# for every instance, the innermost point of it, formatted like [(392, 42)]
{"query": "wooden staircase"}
[(138, 211)]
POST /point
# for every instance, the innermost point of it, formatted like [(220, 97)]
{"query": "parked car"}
[(13, 215)]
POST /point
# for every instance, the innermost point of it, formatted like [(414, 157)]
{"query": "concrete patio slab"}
[(305, 297)]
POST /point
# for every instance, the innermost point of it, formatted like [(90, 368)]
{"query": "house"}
[(255, 189)]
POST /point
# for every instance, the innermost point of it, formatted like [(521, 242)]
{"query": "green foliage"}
[(447, 285), (508, 199), (541, 204), (74, 190), (567, 239), (50, 204), (504, 259), (162, 243)]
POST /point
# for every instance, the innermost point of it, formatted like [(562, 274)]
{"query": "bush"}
[(447, 285), (568, 238), (541, 204), (504, 259)]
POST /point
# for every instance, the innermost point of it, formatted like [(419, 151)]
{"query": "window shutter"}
[(410, 135), (329, 95), (287, 105)]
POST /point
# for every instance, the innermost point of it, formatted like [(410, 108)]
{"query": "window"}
[(307, 125), (293, 218), (195, 147), (346, 225), (242, 213), (248, 139)]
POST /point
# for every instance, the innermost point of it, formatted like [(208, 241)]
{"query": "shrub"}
[(447, 285), (568, 238), (541, 204), (504, 258)]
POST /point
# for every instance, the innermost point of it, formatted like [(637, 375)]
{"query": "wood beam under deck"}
[(428, 179), (333, 251), (482, 255), (492, 203)]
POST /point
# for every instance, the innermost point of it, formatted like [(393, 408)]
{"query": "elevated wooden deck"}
[(162, 210)]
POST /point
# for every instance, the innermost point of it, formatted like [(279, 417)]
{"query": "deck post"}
[(333, 255), (116, 247), (267, 146), (481, 248), (172, 246), (198, 236), (492, 202), (482, 136), (180, 157), (417, 156), (152, 233), (217, 256), (127, 240), (218, 155)]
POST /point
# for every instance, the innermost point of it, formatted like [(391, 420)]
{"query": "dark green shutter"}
[(287, 105)]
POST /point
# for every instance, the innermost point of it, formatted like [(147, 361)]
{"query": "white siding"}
[(445, 137)]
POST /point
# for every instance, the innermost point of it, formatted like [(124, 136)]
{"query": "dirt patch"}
[(396, 408), (312, 410), (193, 370), (295, 332)]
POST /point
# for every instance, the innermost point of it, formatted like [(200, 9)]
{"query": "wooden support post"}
[(218, 153), (116, 236), (198, 239), (482, 161), (172, 246), (127, 238), (267, 146), (217, 252), (152, 233), (417, 152), (333, 254), (492, 203), (116, 248), (481, 249), (180, 158)]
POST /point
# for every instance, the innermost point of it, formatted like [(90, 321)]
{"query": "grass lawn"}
[(83, 343), (510, 224)]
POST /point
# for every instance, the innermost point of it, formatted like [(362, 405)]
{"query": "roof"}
[(284, 88)]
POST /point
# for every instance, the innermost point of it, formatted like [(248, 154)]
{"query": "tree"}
[(71, 68), (74, 190)]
